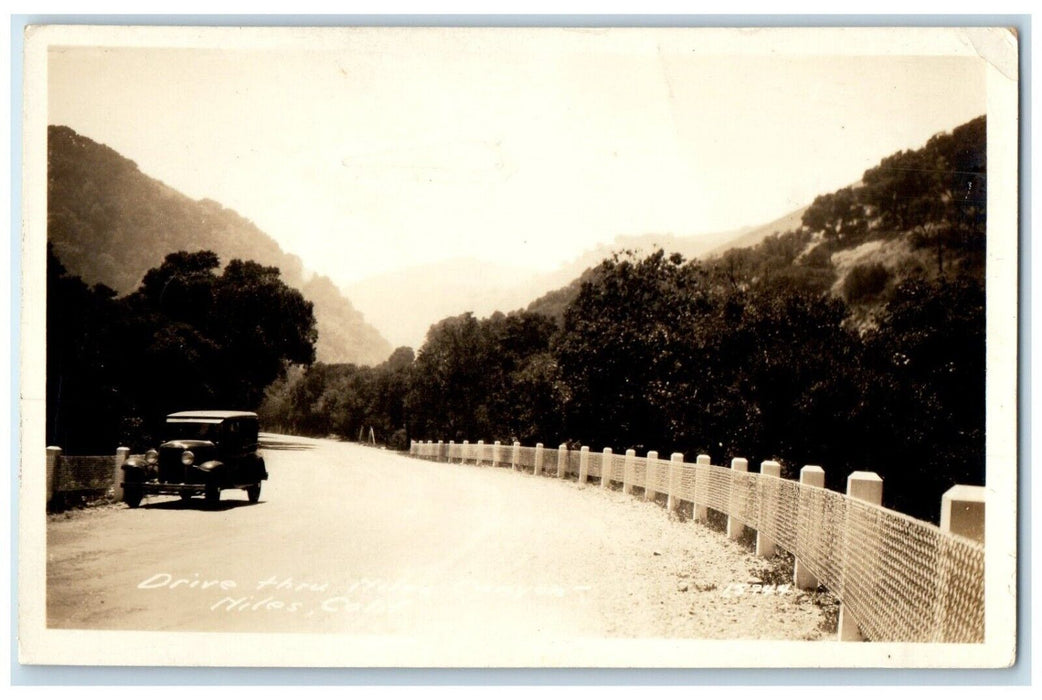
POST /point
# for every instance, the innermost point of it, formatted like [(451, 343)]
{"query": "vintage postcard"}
[(519, 347)]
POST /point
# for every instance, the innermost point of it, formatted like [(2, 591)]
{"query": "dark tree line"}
[(188, 338)]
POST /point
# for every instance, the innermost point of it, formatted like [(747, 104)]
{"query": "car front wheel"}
[(253, 493), (132, 496), (213, 495)]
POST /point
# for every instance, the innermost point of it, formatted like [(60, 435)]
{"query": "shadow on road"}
[(198, 504)]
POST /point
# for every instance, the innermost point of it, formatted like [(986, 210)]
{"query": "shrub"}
[(865, 282)]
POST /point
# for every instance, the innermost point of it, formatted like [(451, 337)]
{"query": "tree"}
[(182, 287), (236, 330), (445, 396), (481, 378), (260, 323), (923, 408), (187, 338), (938, 193), (671, 356), (85, 404), (840, 215), (628, 350), (865, 282)]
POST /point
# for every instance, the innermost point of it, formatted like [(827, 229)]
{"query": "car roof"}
[(213, 414)]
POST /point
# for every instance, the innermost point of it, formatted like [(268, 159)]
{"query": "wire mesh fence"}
[(596, 465), (84, 476)]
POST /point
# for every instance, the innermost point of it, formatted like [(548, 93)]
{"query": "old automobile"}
[(204, 453)]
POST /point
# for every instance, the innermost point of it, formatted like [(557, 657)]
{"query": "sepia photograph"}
[(519, 347)]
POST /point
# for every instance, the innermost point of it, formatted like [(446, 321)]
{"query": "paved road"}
[(356, 540)]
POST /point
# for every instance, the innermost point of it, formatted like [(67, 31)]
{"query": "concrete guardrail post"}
[(53, 455), (441, 451), (627, 471), (650, 475), (497, 453), (452, 451), (765, 546), (464, 452), (868, 487), (584, 465), (810, 475), (735, 527), (562, 460), (606, 462), (515, 456), (538, 459), (479, 453), (701, 511), (962, 511), (122, 453), (672, 498)]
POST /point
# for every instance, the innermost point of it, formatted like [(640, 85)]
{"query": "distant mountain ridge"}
[(109, 223), (404, 304), (553, 302), (755, 235)]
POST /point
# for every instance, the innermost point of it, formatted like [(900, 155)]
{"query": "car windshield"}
[(188, 429)]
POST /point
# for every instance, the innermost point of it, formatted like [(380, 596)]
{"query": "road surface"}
[(356, 540)]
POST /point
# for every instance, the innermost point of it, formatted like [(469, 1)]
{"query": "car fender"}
[(136, 469)]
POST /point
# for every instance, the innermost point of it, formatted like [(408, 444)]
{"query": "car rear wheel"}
[(213, 495), (132, 496), (253, 493)]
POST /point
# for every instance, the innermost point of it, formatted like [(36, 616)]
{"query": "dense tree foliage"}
[(921, 417), (677, 357), (189, 338), (343, 400), (472, 376)]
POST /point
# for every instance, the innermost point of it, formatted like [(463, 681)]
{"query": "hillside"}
[(564, 286), (919, 213), (755, 235), (109, 223)]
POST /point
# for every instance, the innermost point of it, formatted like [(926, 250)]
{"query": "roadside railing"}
[(897, 578), (83, 476)]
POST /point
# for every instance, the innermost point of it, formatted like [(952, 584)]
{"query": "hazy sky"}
[(371, 150)]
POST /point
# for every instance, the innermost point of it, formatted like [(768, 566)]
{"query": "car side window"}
[(249, 433), (232, 432)]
